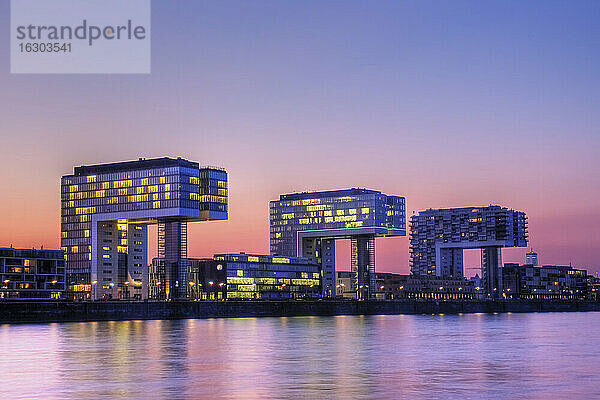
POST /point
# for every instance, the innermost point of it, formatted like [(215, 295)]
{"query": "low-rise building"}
[(547, 282), (31, 274), (593, 288), (395, 286), (427, 287), (242, 276)]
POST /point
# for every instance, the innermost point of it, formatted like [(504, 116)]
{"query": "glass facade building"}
[(307, 224), (106, 208), (243, 276)]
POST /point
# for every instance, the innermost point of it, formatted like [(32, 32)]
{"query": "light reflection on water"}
[(554, 355)]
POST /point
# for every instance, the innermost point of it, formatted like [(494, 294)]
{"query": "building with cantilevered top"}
[(307, 225), (105, 212), (439, 236)]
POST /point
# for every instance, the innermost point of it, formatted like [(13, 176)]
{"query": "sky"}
[(461, 103)]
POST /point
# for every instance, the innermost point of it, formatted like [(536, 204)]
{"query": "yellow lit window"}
[(155, 196), (145, 181), (168, 195), (100, 193), (167, 187), (139, 190), (73, 188), (83, 218), (74, 249), (252, 259), (162, 179), (85, 210), (72, 203), (105, 255), (106, 248), (240, 272), (86, 233), (123, 192), (153, 189), (105, 185), (63, 235), (91, 179), (364, 210), (156, 204), (194, 180)]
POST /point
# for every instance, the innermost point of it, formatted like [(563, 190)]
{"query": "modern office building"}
[(31, 274), (105, 211), (531, 258), (243, 276), (438, 237), (548, 282), (307, 225)]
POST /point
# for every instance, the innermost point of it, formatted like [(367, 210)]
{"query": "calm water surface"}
[(535, 356)]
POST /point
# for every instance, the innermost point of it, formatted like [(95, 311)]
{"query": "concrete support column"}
[(172, 247), (322, 251), (363, 264), (450, 262), (491, 264)]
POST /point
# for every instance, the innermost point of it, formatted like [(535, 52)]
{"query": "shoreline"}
[(47, 311)]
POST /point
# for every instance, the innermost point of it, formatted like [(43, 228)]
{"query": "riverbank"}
[(26, 311)]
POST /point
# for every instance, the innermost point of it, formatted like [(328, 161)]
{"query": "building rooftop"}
[(142, 163), (327, 193), (31, 253)]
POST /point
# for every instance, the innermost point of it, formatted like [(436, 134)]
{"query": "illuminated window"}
[(162, 179), (219, 267), (156, 204), (105, 255), (91, 179), (106, 248), (145, 181), (105, 185)]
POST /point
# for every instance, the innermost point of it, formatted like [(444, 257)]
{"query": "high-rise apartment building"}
[(307, 225), (105, 211), (438, 237)]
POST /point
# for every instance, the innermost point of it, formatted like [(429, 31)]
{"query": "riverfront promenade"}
[(25, 311)]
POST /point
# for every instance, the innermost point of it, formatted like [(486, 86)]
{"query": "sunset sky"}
[(460, 103)]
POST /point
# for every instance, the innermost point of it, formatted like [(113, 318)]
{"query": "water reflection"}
[(436, 356)]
